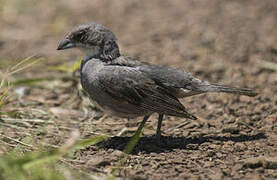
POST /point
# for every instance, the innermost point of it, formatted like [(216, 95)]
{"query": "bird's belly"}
[(113, 106), (118, 108)]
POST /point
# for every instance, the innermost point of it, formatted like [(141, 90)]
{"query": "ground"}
[(227, 42)]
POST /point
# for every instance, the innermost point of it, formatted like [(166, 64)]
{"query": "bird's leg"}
[(158, 133), (134, 140), (141, 125)]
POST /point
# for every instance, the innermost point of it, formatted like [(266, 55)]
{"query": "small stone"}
[(97, 161), (117, 153), (210, 153), (271, 120), (192, 146), (217, 175), (237, 167), (257, 162), (219, 155), (240, 147), (208, 164), (214, 146)]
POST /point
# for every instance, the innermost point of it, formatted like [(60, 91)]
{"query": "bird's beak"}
[(66, 44)]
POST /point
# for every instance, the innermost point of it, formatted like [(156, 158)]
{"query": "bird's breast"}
[(89, 75)]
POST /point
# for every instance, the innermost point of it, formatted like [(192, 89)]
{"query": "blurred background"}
[(192, 34), (163, 31), (231, 42)]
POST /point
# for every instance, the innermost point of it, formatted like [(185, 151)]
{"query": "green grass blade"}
[(31, 81), (89, 141), (65, 68), (39, 158)]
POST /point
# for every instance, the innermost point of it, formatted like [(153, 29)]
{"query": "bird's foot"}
[(158, 139)]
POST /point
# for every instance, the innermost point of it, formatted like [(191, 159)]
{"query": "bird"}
[(127, 87)]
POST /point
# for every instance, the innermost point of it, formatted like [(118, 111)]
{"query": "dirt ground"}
[(229, 42)]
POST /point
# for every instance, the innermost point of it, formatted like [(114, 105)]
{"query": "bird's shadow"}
[(168, 143)]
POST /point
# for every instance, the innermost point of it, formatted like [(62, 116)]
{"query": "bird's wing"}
[(182, 84), (168, 77), (178, 83), (165, 76), (131, 85)]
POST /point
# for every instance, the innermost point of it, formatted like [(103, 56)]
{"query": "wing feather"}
[(131, 85)]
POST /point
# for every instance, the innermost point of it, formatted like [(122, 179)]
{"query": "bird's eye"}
[(79, 36)]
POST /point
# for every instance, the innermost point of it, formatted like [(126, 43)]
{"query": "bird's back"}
[(177, 82)]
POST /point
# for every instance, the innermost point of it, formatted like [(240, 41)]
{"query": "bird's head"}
[(95, 40)]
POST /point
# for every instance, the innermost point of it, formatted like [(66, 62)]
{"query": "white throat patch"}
[(90, 52)]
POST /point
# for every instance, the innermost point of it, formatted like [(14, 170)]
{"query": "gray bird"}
[(126, 87)]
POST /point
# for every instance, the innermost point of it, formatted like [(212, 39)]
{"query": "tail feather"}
[(226, 89)]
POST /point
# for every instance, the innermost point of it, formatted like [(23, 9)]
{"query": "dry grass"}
[(36, 144)]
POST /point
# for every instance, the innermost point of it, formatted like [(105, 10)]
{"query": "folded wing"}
[(133, 86)]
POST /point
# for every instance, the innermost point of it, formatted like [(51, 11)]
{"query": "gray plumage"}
[(126, 87)]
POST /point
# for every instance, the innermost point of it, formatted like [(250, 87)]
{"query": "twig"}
[(65, 128), (49, 145), (239, 122), (179, 126), (29, 120), (39, 111), (23, 129), (103, 118), (15, 140), (12, 145), (122, 131), (268, 65)]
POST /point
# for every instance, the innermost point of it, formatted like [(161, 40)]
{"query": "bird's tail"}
[(207, 87)]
